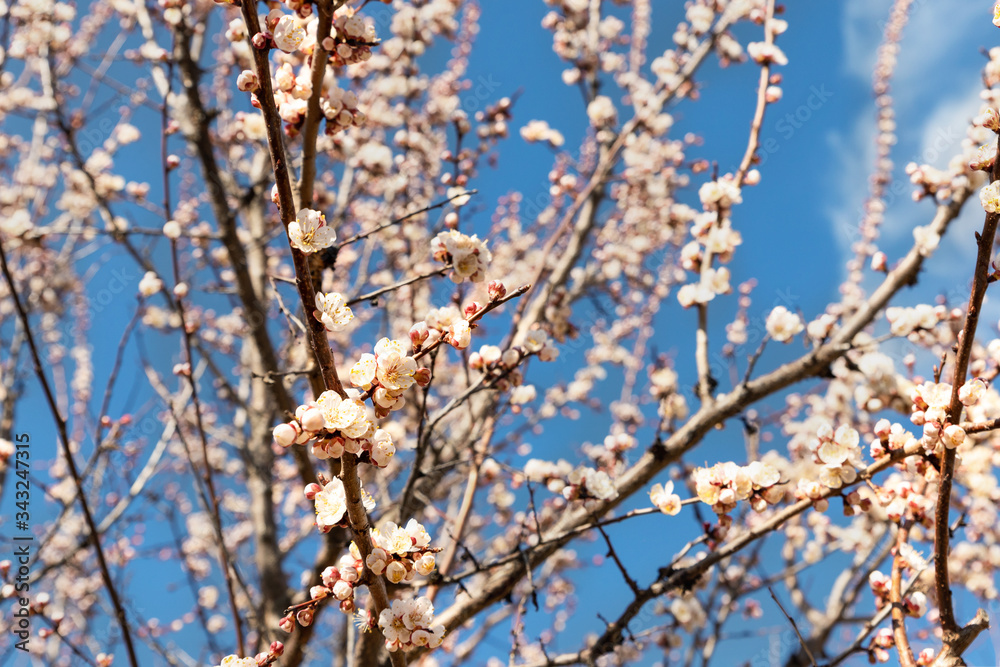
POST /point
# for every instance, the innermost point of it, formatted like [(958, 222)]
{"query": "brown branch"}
[(412, 214), (314, 114), (317, 332), (898, 613), (942, 535), (662, 454), (795, 627)]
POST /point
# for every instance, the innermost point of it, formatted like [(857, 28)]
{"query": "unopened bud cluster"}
[(335, 425), (725, 484)]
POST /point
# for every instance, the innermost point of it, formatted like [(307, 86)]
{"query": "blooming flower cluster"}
[(839, 454), (574, 484), (400, 553), (714, 238), (236, 661), (931, 401), (586, 483), (262, 659), (904, 321), (539, 130), (334, 425), (663, 387), (309, 232), (724, 484), (445, 323), (914, 604), (467, 255), (340, 107), (352, 39), (720, 194), (409, 624), (386, 374)]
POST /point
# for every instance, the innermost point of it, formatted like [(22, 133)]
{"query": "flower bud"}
[(419, 333), (476, 361), (305, 616), (247, 81), (276, 648), (310, 492), (286, 623), (172, 230), (422, 376), (472, 309), (343, 590), (261, 40), (880, 262), (330, 576), (286, 434), (313, 419)]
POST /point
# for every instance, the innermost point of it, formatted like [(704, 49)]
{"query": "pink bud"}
[(276, 648), (880, 262), (476, 361), (472, 309), (419, 333), (347, 606), (286, 623), (304, 617), (247, 81), (312, 489), (422, 376), (496, 290), (330, 576), (173, 162), (261, 40), (318, 592), (273, 17)]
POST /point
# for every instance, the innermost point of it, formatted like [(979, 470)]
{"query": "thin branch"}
[(795, 626)]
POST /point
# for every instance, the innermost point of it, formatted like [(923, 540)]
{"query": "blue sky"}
[(796, 225)]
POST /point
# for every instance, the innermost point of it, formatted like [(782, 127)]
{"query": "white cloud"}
[(935, 93)]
